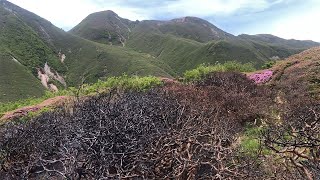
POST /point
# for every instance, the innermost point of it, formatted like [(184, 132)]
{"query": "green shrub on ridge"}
[(124, 82), (202, 70)]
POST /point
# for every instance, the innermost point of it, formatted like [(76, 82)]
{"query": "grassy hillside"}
[(187, 42), (91, 61), (184, 54), (299, 75), (23, 43), (16, 81), (22, 51)]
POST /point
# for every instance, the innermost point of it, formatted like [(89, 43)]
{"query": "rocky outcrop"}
[(62, 57), (53, 87), (54, 75), (46, 74)]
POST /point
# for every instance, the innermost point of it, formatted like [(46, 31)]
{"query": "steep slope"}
[(104, 27), (16, 82), (22, 54), (23, 43), (65, 59)]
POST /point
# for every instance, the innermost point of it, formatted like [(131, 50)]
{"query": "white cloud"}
[(299, 23), (68, 13), (303, 26), (217, 7)]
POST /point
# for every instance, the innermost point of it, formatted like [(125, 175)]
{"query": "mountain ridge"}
[(189, 19), (198, 39)]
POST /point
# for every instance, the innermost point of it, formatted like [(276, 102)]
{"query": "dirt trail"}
[(18, 113)]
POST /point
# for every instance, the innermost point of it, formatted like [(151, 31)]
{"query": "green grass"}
[(202, 70), (250, 145)]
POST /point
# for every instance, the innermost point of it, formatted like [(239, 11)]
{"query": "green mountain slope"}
[(183, 54), (105, 27), (108, 27), (80, 51), (185, 43), (22, 52), (23, 43), (16, 82), (34, 42)]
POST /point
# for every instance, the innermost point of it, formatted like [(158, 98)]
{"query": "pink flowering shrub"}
[(263, 77)]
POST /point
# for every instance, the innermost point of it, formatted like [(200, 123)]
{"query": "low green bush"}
[(202, 70), (269, 64)]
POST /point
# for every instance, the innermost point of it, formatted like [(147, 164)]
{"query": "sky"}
[(290, 19)]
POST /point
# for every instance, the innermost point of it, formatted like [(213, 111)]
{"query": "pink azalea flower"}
[(262, 77)]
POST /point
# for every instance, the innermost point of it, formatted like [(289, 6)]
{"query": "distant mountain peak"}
[(110, 12), (190, 19), (186, 19), (106, 13)]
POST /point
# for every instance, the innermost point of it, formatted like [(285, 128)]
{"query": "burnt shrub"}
[(297, 138), (175, 132)]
